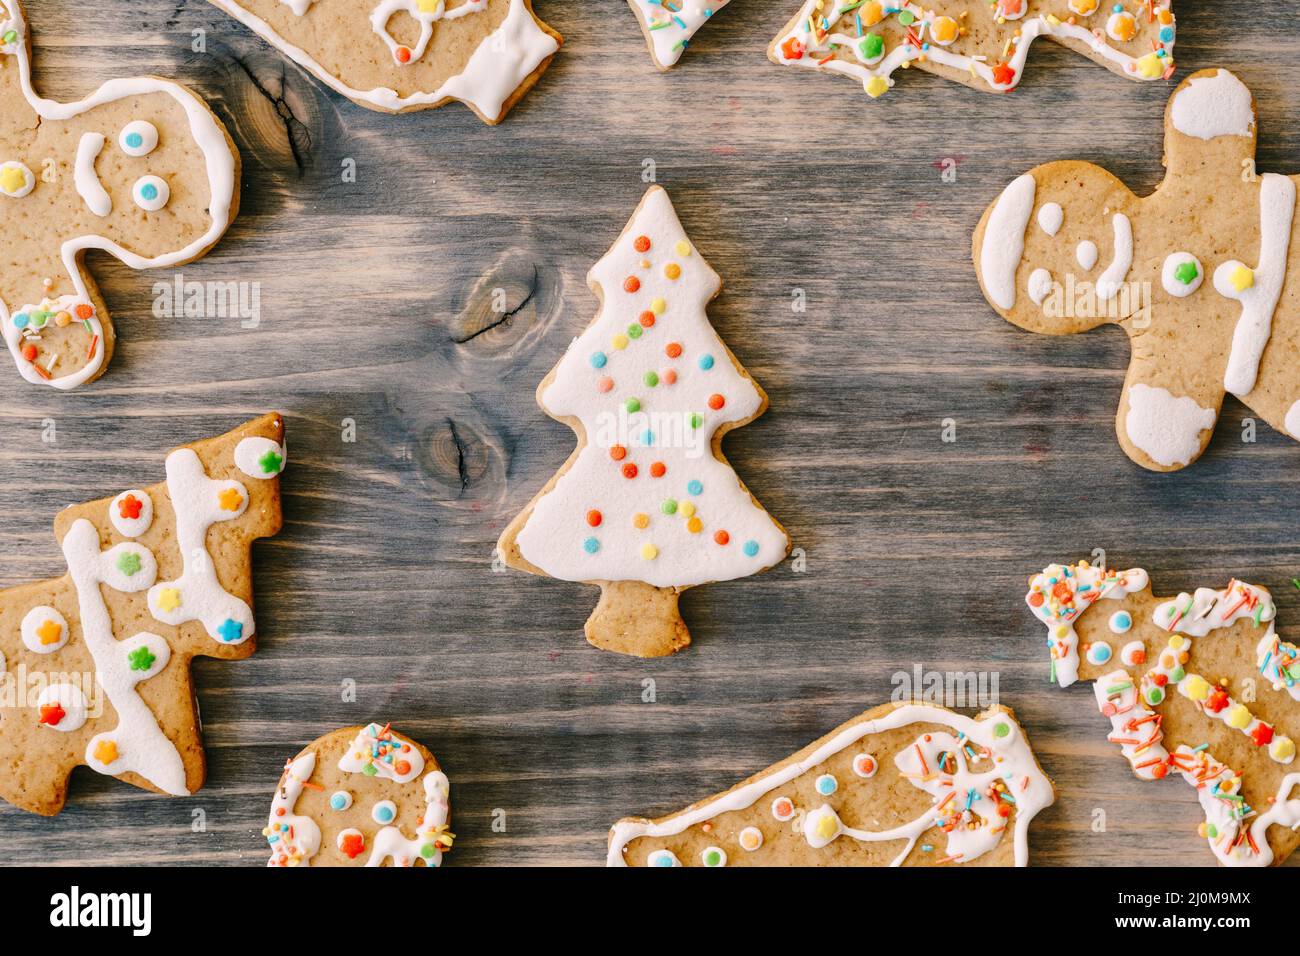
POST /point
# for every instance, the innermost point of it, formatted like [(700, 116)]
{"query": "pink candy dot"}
[(604, 383)]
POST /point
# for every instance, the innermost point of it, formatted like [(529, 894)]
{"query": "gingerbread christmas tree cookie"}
[(95, 665), (361, 796), (981, 44), (901, 785), (647, 506), (401, 55), (141, 169), (1199, 687), (1197, 273), (670, 24)]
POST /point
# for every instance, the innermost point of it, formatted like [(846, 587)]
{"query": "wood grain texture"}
[(375, 300)]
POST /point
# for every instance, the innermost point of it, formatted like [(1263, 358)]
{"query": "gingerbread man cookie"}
[(141, 169), (647, 506), (350, 799), (401, 55), (983, 45), (95, 665), (670, 24), (1196, 273), (903, 784), (1200, 687)]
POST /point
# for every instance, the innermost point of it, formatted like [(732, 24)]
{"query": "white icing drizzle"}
[(1109, 282), (1167, 428), (139, 743), (1004, 240), (198, 502), (670, 25), (1050, 218), (494, 71), (220, 166), (84, 177), (294, 839), (1060, 593), (1259, 298), (1210, 106), (1017, 770), (426, 18)]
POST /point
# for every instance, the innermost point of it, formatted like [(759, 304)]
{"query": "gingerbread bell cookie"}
[(361, 796), (95, 665), (396, 56), (984, 45), (1196, 273), (141, 169), (1200, 686), (647, 506), (670, 24), (903, 784)]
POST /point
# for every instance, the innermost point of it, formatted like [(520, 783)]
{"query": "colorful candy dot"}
[(706, 362), (721, 537), (826, 784), (649, 551), (631, 284), (641, 520), (591, 545), (673, 349), (651, 379), (750, 548), (594, 518), (673, 271), (598, 359), (629, 470), (641, 244), (669, 507), (694, 487), (658, 469)]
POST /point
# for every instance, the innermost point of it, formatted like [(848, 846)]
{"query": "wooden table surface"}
[(375, 299)]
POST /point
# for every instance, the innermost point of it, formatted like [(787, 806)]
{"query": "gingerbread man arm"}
[(141, 169)]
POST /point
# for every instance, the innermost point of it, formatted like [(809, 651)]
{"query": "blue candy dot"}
[(598, 360), (134, 140), (694, 488), (1166, 34), (591, 546), (149, 192), (647, 437), (826, 785), (706, 362), (384, 814), (338, 801), (20, 320), (1101, 653), (663, 859), (751, 548)]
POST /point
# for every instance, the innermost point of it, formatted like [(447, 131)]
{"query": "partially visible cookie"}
[(396, 56), (910, 784), (669, 25), (360, 796)]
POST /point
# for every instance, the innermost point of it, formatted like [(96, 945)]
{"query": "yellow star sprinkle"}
[(876, 87), (105, 751), (49, 632), (169, 599), (1242, 278), (230, 499), (12, 179)]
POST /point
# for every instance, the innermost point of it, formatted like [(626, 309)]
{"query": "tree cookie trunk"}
[(637, 618)]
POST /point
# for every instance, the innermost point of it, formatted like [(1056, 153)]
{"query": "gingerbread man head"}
[(1195, 273), (141, 169), (1199, 687)]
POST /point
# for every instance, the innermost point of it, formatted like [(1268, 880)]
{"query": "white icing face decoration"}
[(44, 630), (750, 839), (865, 765), (1099, 652), (131, 513), (385, 811), (663, 858), (1086, 254), (16, 180), (1050, 218), (151, 193), (1039, 285), (1181, 274), (62, 707), (138, 138), (260, 457), (713, 856), (783, 809), (1121, 622), (340, 800), (1133, 654)]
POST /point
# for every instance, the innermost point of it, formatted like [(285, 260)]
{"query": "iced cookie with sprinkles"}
[(647, 506), (982, 44), (1197, 273), (1199, 687), (140, 169), (670, 24), (901, 785), (361, 796), (95, 665), (396, 56)]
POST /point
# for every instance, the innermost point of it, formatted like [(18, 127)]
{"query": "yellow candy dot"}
[(1242, 278), (658, 306), (1196, 687), (1151, 66), (686, 509), (619, 341), (105, 751), (641, 520), (12, 179), (1177, 642), (1239, 717), (876, 87), (1282, 749), (649, 551), (673, 270), (1062, 631), (694, 525), (871, 13), (683, 248), (943, 29)]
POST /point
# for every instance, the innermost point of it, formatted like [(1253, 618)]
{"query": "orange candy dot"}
[(658, 469), (403, 55), (29, 352), (673, 270), (721, 537), (716, 402), (631, 284), (1036, 599), (647, 319), (629, 470), (604, 383), (84, 311), (673, 350), (642, 244), (594, 518), (669, 377), (617, 452), (403, 767)]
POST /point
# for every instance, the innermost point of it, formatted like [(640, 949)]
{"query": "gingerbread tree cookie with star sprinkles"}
[(95, 665), (361, 796), (141, 169), (1200, 687), (647, 506), (670, 24), (1196, 273), (395, 56), (901, 785), (981, 44)]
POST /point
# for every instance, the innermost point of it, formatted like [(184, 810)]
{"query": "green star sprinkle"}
[(270, 463), (128, 562), (141, 659), (1186, 272)]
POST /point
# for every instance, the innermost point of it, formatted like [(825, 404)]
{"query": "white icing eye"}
[(340, 800), (662, 858), (16, 180), (864, 765), (44, 630), (714, 856), (750, 838), (385, 811), (1133, 654), (1121, 622), (1182, 274), (151, 193), (1099, 652), (138, 138)]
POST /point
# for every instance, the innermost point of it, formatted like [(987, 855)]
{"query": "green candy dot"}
[(1001, 730), (712, 858), (871, 46), (651, 379), (428, 850), (369, 770), (669, 507), (1155, 695), (906, 17), (696, 419), (1294, 672), (11, 37), (1186, 272), (1211, 831), (634, 331), (632, 405), (1177, 674)]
